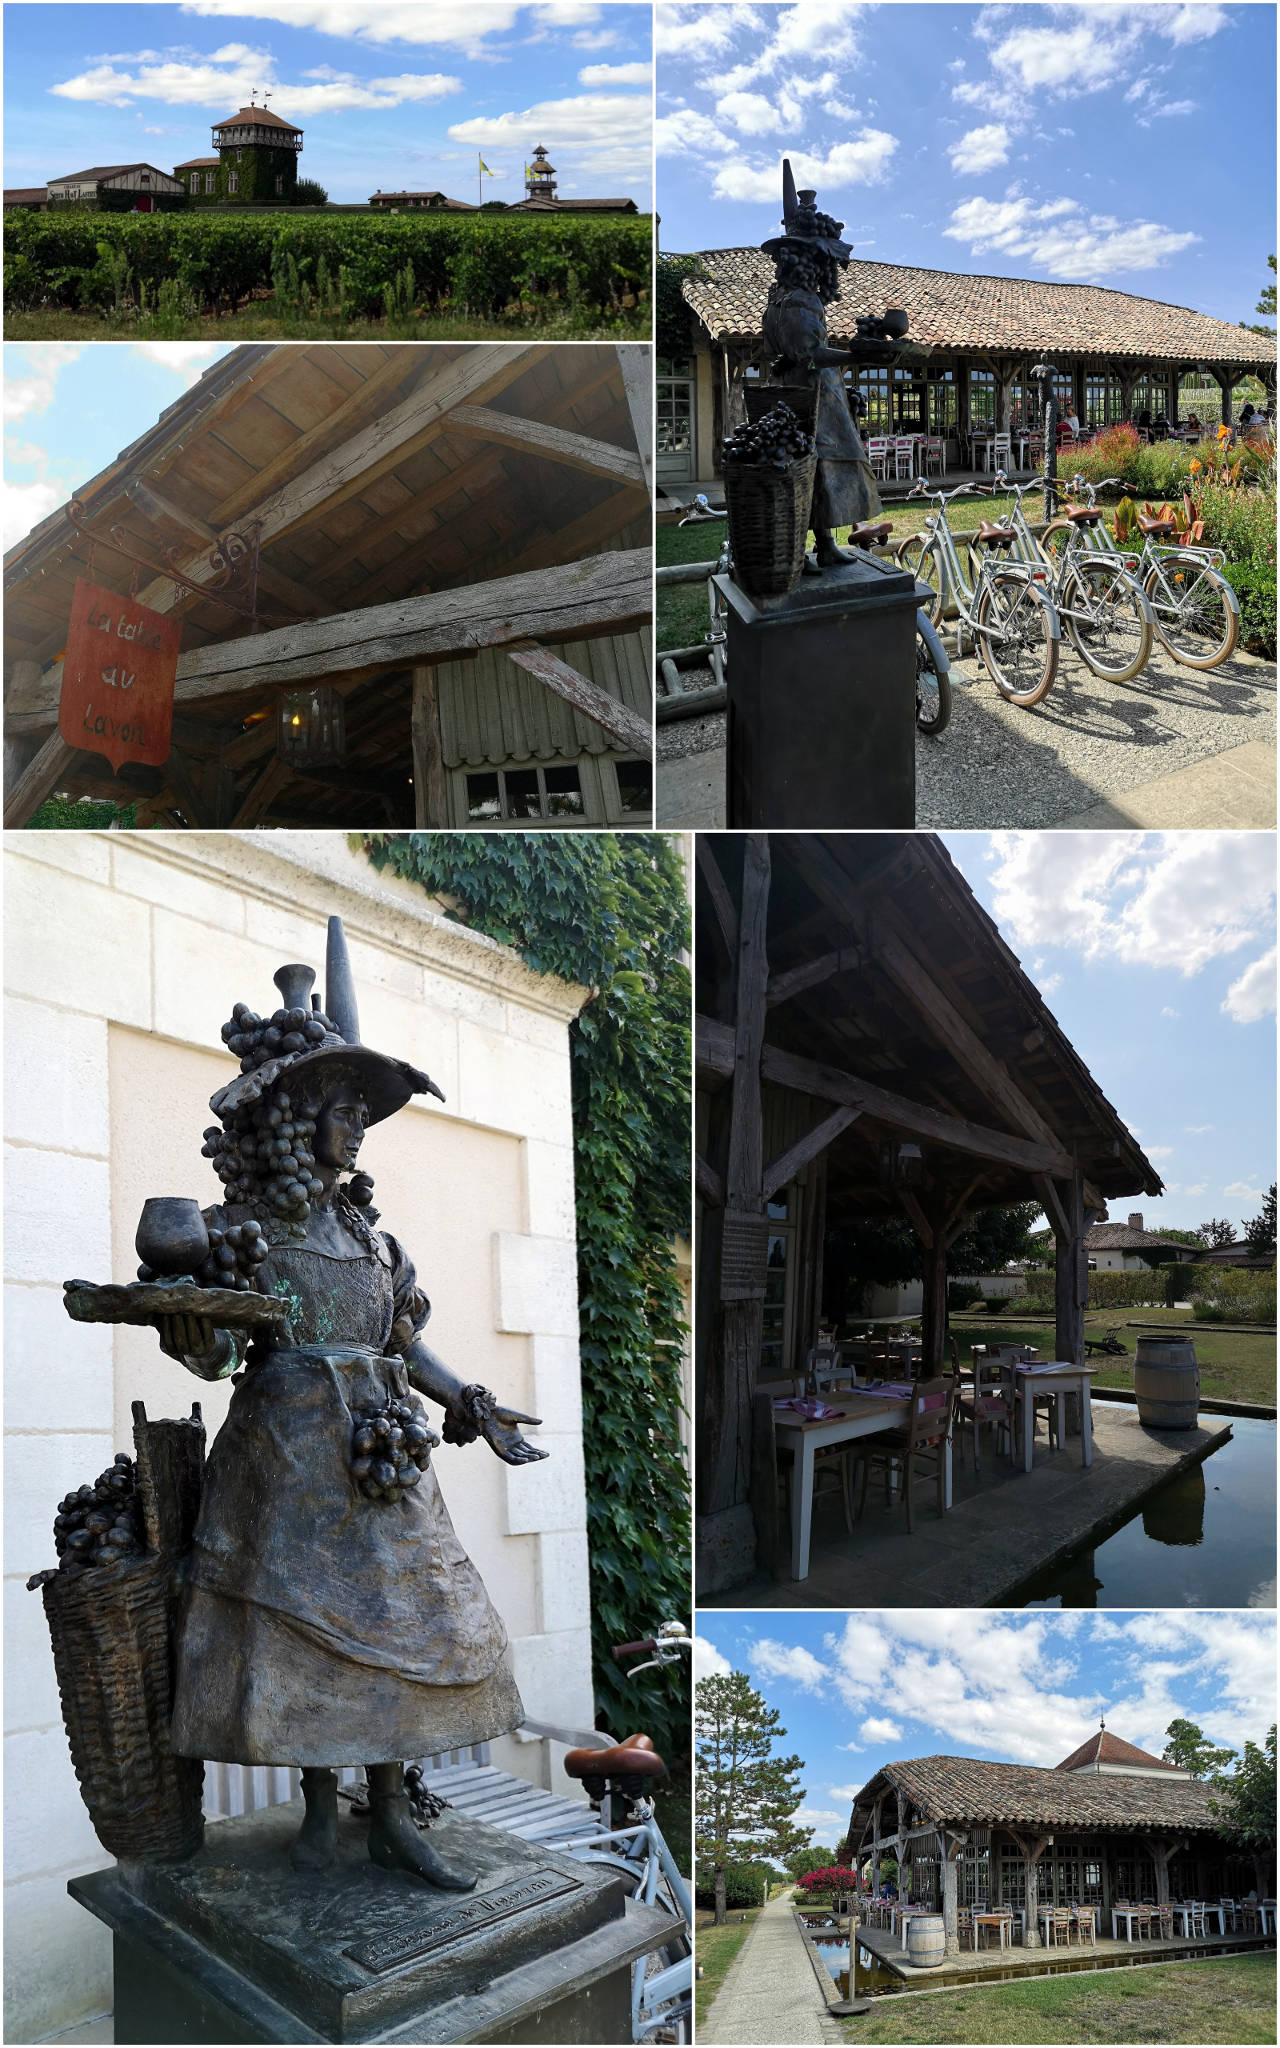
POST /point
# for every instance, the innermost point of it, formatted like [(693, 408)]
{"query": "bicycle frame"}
[(966, 595), (1030, 551), (640, 1852)]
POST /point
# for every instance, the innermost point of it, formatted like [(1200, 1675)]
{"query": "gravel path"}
[(770, 1993), (998, 766)]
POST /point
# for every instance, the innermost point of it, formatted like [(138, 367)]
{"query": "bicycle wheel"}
[(1057, 538), (1014, 629), (1107, 618), (933, 680), (918, 554), (1199, 625)]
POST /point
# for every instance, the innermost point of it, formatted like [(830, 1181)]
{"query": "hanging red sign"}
[(118, 677)]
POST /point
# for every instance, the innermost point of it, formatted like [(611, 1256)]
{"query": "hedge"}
[(1228, 1294), (744, 1887), (1107, 1290), (460, 263)]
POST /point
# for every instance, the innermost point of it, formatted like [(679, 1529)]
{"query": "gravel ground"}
[(997, 766)]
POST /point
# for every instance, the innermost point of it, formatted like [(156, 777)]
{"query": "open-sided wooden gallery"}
[(411, 586)]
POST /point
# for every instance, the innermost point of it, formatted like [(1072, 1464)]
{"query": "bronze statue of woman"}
[(330, 1615), (807, 260)]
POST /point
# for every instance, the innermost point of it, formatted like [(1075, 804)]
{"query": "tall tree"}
[(1191, 1750), (1247, 1804), (1217, 1231), (1266, 304), (1260, 1231), (745, 1794), (805, 1860)]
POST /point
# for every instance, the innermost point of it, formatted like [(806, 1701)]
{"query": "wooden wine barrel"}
[(1166, 1380), (926, 1941)]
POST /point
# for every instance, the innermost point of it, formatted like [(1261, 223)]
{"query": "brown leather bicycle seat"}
[(1084, 515), (633, 1757), (995, 536), (1156, 526), (871, 536)]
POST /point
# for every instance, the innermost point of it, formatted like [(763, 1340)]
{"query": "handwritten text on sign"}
[(118, 677)]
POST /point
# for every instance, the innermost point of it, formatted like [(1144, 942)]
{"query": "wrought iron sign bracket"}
[(235, 555)]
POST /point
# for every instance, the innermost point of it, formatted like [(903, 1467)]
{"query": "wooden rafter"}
[(624, 727)]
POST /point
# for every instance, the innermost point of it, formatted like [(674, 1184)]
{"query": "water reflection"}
[(1204, 1539)]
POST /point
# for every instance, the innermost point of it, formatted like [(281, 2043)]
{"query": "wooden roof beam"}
[(613, 717), (557, 444), (714, 1043)]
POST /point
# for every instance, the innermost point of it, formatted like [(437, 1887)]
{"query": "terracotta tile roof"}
[(23, 195), (949, 310), (964, 1788), (1106, 1748), (257, 117), (573, 206), (99, 172), (199, 163)]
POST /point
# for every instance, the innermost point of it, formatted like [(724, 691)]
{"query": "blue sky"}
[(859, 1690), (1130, 145), (401, 94), (1156, 954)]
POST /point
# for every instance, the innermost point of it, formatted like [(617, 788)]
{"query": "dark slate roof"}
[(1117, 1237), (199, 163), (953, 310), (965, 1788), (101, 171), (573, 206), (1106, 1748)]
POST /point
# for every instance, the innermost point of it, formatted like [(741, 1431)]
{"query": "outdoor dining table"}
[(861, 1412), (1004, 1921), (1128, 1914), (1184, 1914), (1267, 1915), (1048, 1923), (1060, 1377)]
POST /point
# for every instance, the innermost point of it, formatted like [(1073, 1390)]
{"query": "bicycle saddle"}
[(1156, 526), (995, 536), (1084, 515), (633, 1757), (871, 536)]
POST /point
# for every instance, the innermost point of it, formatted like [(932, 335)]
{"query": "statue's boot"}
[(316, 1845), (396, 1842), (829, 556)]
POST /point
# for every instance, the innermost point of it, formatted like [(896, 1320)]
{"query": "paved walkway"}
[(771, 1993)]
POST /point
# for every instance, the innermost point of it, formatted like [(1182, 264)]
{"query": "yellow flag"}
[(485, 168)]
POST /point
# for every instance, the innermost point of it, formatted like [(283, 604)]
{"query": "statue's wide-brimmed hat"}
[(384, 1083), (803, 225)]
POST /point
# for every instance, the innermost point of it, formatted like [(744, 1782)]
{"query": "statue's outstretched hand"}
[(501, 1434), (196, 1343)]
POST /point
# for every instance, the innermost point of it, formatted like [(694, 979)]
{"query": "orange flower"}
[(1195, 465)]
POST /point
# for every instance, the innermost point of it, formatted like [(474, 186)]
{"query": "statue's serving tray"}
[(141, 1301)]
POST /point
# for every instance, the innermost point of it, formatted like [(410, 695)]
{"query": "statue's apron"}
[(318, 1626)]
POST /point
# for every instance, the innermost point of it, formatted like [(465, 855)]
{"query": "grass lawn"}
[(715, 1949), (682, 610), (255, 324), (1232, 1368), (1232, 1999)]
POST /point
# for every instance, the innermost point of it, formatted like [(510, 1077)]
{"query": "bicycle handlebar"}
[(625, 1649), (944, 497)]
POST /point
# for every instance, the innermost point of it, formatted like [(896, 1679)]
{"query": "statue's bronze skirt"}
[(320, 1627)]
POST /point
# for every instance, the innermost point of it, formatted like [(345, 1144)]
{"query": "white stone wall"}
[(124, 955)]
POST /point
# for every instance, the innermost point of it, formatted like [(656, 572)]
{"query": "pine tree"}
[(1217, 1231), (1260, 1231), (745, 1794), (1248, 1804)]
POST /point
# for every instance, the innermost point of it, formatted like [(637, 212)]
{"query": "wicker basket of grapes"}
[(769, 467)]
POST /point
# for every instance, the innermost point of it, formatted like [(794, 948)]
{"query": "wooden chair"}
[(1230, 1915), (921, 1443), (988, 1406), (878, 454), (1086, 1927), (904, 448), (934, 455), (1162, 1925), (1060, 1926)]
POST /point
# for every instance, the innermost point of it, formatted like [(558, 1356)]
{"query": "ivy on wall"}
[(609, 910)]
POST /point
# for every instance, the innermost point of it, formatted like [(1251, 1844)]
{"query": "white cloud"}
[(698, 31), (849, 1792), (880, 1731), (458, 23), (203, 82), (750, 113), (1164, 900), (1061, 237), (1198, 1130), (1159, 1151), (821, 1819), (616, 74), (1199, 1188), (980, 150), (1253, 995), (1049, 985), (24, 396), (785, 1660), (597, 135), (863, 161), (707, 1661), (1167, 1011), (1242, 1192), (187, 360), (686, 133), (26, 504)]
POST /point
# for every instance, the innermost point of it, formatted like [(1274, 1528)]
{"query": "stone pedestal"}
[(235, 1946), (822, 701)]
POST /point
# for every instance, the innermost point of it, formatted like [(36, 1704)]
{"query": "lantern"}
[(311, 728)]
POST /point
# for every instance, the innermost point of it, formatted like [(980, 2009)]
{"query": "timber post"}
[(952, 1844), (430, 786), (1033, 1848)]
